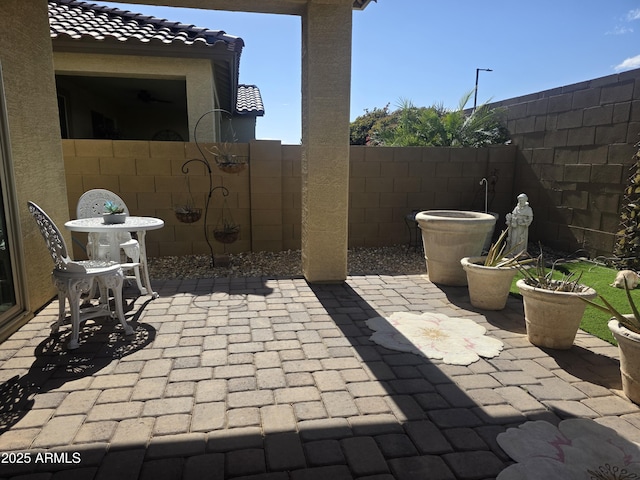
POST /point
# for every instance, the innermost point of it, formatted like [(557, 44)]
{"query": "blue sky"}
[(427, 51)]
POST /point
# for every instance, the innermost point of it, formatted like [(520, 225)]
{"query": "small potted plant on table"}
[(552, 307), (114, 213), (626, 331)]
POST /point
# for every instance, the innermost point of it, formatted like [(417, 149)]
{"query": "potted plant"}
[(626, 331), (552, 307), (114, 213), (490, 277), (227, 159), (447, 237), (187, 213), (226, 232)]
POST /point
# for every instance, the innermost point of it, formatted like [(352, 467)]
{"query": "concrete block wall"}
[(386, 184), (149, 178), (575, 146)]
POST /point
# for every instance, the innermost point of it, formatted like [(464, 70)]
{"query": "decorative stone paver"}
[(276, 379)]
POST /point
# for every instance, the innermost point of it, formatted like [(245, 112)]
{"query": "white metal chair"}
[(73, 278), (91, 204)]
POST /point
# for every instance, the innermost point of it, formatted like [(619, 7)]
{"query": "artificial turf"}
[(599, 278)]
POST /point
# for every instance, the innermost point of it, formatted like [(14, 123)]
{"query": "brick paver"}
[(274, 379)]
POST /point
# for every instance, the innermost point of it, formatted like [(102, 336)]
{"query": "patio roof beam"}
[(288, 7)]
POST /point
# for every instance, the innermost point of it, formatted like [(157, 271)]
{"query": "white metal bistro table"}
[(139, 225)]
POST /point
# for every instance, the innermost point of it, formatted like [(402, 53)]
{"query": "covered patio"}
[(277, 378)]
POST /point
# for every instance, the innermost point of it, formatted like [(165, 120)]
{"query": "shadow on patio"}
[(277, 379)]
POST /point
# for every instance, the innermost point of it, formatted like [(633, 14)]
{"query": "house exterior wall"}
[(385, 185), (198, 74), (35, 155), (575, 146)]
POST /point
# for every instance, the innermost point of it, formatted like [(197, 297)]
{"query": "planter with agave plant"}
[(553, 308), (489, 278), (114, 213), (626, 330)]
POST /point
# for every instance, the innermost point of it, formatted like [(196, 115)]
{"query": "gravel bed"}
[(395, 260)]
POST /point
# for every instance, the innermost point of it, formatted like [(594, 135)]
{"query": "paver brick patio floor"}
[(270, 379)]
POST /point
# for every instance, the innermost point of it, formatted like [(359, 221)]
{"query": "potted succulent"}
[(552, 307), (626, 331), (187, 213), (490, 277), (227, 159), (226, 232), (114, 213)]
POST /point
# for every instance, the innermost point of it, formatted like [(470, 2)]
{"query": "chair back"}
[(91, 203), (54, 240)]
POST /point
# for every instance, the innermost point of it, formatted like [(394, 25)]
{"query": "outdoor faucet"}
[(486, 192)]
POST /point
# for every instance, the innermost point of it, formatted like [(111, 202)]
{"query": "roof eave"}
[(361, 4)]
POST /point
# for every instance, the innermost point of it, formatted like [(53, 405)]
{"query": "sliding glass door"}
[(11, 305)]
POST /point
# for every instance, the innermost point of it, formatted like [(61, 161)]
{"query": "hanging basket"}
[(229, 162), (226, 230), (188, 214), (227, 234), (232, 167)]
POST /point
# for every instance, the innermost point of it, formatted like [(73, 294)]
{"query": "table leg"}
[(143, 263)]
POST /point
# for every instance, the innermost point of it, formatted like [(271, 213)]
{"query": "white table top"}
[(96, 224)]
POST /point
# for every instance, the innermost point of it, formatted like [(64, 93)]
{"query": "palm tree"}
[(437, 126)]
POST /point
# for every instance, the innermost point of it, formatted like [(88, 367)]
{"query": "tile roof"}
[(77, 20), (249, 100)]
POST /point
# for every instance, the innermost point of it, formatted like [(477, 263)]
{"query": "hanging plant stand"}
[(226, 231)]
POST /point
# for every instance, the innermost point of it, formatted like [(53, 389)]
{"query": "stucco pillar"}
[(33, 144), (326, 82)]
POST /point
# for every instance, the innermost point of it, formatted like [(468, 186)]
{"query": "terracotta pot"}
[(629, 348), (488, 286), (552, 318), (448, 236)]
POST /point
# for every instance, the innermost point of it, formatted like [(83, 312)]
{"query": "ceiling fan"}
[(146, 96)]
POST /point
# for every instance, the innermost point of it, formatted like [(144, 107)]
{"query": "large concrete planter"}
[(629, 348), (553, 318), (448, 236), (488, 286), (489, 238)]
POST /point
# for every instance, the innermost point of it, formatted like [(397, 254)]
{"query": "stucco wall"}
[(385, 185), (35, 152), (575, 145)]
